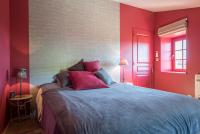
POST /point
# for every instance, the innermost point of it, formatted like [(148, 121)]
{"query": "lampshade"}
[(123, 62), (22, 74)]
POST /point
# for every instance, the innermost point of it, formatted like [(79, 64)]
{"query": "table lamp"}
[(22, 74), (123, 63)]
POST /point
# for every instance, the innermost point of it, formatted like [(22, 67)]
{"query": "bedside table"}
[(21, 104), (128, 83)]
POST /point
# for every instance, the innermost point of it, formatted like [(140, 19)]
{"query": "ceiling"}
[(161, 5)]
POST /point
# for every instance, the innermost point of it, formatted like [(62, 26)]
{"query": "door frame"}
[(143, 32)]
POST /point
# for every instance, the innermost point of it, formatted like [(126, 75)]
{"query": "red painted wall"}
[(132, 18), (14, 49), (19, 34), (180, 83), (4, 60)]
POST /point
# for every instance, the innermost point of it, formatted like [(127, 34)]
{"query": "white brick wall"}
[(64, 31)]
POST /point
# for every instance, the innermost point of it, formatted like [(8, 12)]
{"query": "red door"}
[(142, 59)]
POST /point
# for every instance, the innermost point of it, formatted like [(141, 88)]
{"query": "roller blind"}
[(174, 27)]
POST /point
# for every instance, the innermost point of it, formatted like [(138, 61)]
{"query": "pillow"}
[(56, 80), (104, 76), (92, 66), (85, 80), (62, 79), (77, 67)]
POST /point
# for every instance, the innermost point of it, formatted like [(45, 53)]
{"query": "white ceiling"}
[(161, 5)]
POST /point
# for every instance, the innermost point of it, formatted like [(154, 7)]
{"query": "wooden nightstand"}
[(19, 105), (128, 83)]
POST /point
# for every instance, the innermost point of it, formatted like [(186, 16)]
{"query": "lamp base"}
[(20, 92), (123, 79)]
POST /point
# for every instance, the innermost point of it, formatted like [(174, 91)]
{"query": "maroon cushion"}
[(77, 67), (92, 66), (85, 80)]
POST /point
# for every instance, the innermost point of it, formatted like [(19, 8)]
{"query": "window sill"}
[(174, 72)]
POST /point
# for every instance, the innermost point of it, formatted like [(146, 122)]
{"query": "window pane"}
[(184, 64), (178, 45), (178, 64), (178, 55), (184, 54), (184, 44)]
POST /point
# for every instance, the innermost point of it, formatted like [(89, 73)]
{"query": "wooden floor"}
[(23, 127)]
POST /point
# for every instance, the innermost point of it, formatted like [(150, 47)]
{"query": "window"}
[(173, 52), (179, 54)]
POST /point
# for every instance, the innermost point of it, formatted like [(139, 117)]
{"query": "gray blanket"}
[(123, 109)]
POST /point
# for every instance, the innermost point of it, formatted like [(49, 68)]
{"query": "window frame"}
[(180, 38)]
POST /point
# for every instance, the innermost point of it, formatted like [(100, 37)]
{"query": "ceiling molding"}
[(161, 5)]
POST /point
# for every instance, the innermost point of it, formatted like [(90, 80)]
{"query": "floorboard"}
[(24, 127)]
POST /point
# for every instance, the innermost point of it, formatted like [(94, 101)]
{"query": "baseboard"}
[(4, 132)]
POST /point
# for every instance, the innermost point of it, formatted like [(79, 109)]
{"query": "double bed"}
[(119, 109)]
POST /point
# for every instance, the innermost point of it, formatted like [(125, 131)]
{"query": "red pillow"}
[(92, 66), (85, 80)]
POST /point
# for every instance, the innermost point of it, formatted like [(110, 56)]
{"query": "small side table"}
[(20, 103), (128, 83)]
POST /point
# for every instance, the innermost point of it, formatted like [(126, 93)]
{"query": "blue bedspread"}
[(124, 109)]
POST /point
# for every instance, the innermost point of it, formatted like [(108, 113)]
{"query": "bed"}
[(119, 109)]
